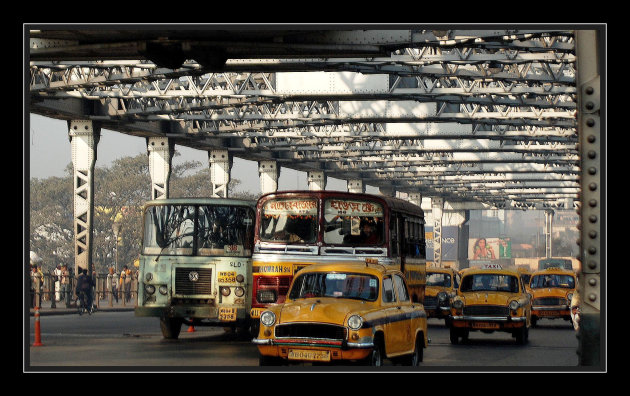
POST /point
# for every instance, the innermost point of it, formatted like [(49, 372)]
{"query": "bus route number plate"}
[(227, 314)]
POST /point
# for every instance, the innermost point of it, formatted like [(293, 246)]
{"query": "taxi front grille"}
[(486, 310), (430, 302), (550, 301), (308, 330), (193, 281)]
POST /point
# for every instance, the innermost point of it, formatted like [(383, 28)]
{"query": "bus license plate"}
[(227, 276), (227, 314), (302, 354), (482, 325)]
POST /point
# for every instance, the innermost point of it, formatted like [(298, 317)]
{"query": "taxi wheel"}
[(375, 358), (418, 354), (269, 361), (454, 335), (522, 335)]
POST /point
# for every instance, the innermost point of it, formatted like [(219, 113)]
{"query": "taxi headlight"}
[(458, 304), (569, 297), (355, 322), (441, 297), (514, 305), (268, 318)]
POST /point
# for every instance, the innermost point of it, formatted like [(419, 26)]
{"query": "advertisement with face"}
[(489, 248)]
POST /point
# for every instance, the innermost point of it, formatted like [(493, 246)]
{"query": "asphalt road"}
[(119, 341)]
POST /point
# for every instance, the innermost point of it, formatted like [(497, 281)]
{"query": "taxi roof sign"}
[(491, 266), (369, 260)]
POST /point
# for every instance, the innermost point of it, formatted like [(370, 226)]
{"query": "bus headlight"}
[(239, 292), (240, 278), (148, 277), (225, 291), (150, 289), (268, 318), (355, 322), (163, 289)]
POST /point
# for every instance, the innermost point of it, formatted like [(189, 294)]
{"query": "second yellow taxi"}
[(344, 313), (552, 290), (491, 299), (441, 287)]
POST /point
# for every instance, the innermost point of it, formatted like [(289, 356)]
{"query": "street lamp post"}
[(116, 228)]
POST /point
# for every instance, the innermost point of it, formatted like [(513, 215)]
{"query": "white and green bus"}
[(196, 263)]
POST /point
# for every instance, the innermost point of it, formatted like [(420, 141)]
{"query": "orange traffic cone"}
[(38, 336), (191, 329)]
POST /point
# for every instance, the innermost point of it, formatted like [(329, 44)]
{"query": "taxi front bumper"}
[(345, 345)]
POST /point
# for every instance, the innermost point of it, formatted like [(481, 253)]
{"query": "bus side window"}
[(393, 232)]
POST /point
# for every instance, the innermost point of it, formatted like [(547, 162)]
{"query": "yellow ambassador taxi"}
[(441, 288), (490, 299), (342, 313), (552, 290)]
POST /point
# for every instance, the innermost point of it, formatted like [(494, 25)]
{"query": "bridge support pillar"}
[(160, 154), (437, 205), (387, 191), (415, 198), (592, 208), (268, 172), (84, 137), (356, 186), (316, 180), (548, 232), (220, 167)]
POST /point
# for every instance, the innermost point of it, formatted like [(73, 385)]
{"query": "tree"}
[(120, 191)]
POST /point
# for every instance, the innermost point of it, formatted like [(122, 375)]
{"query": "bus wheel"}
[(170, 327)]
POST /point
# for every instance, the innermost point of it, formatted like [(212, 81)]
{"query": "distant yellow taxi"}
[(345, 314), (552, 291), (490, 299), (441, 288)]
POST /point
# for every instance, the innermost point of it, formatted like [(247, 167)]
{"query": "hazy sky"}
[(50, 153)]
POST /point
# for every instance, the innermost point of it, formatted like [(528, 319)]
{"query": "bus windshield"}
[(289, 220), (552, 280), (206, 230), (337, 285), (353, 222), (489, 282)]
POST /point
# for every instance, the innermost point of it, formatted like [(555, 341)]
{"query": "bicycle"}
[(82, 306)]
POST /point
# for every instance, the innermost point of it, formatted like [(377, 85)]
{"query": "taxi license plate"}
[(482, 325), (302, 354), (547, 313), (227, 314)]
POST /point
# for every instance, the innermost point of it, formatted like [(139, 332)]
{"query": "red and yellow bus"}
[(299, 228)]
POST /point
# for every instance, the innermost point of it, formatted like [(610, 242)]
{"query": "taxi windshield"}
[(489, 282), (552, 280), (337, 285), (438, 279)]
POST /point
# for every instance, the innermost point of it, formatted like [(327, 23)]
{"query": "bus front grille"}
[(193, 281)]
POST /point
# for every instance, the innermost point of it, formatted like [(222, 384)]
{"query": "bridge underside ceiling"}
[(481, 116)]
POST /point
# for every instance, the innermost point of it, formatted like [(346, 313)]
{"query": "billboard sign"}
[(489, 248)]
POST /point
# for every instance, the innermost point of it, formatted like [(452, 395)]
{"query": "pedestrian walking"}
[(66, 290), (125, 281), (57, 278), (112, 283)]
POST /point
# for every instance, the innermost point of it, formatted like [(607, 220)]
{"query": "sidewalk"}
[(103, 306)]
